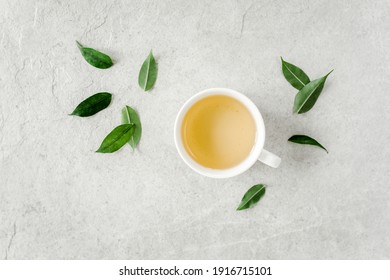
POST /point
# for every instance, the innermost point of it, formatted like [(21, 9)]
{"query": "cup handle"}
[(269, 158)]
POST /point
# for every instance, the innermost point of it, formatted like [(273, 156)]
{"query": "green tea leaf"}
[(117, 138), (130, 116), (308, 95), (148, 73), (93, 104), (252, 196), (95, 58), (306, 140), (294, 75)]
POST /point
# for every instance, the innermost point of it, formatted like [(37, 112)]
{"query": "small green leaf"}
[(306, 140), (294, 75), (252, 196), (93, 104), (117, 138), (308, 95), (130, 116), (148, 73), (95, 58)]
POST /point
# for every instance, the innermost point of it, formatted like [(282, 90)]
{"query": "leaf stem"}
[(79, 44)]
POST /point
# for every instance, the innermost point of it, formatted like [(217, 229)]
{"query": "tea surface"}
[(218, 132)]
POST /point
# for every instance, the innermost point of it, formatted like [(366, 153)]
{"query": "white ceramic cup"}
[(257, 152)]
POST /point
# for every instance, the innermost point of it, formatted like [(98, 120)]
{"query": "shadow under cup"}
[(219, 133)]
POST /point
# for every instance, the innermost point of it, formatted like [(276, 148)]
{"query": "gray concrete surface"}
[(60, 200)]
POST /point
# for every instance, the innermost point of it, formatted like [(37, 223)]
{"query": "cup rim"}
[(242, 166)]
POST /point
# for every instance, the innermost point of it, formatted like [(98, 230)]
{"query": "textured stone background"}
[(60, 200)]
